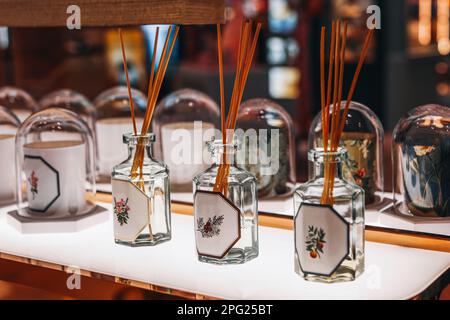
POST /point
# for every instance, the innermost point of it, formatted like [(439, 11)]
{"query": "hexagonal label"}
[(217, 224), (42, 182), (131, 208), (321, 239)]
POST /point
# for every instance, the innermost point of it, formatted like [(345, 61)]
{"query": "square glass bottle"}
[(141, 200), (329, 239), (226, 226)]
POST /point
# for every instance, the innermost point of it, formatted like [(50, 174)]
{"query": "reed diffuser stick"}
[(331, 138), (222, 94), (155, 82), (152, 67), (330, 77), (125, 67), (246, 50)]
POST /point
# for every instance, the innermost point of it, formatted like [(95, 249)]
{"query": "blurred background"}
[(408, 62)]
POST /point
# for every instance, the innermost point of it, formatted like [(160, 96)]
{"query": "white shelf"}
[(392, 272)]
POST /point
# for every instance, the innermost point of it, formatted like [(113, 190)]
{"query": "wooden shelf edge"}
[(105, 277), (53, 13)]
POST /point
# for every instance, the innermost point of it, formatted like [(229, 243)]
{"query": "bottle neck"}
[(148, 154), (139, 143), (321, 161), (222, 154)]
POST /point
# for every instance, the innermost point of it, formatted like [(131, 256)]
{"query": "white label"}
[(55, 173), (217, 224), (132, 209), (321, 239)]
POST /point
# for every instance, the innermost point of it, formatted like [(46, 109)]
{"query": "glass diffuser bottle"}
[(268, 146), (329, 239), (363, 138), (141, 199), (226, 223)]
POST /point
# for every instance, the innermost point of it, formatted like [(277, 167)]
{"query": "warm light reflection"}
[(442, 28), (425, 15)]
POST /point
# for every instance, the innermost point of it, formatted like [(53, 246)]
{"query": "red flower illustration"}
[(362, 172), (121, 209), (211, 228), (33, 180)]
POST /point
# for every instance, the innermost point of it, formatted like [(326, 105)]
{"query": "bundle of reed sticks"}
[(246, 51), (154, 86), (331, 109)]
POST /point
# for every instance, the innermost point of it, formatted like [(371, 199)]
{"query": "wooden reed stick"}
[(149, 111), (151, 101), (338, 120), (330, 77), (125, 66), (222, 94), (341, 80), (246, 50), (362, 58), (247, 67), (322, 79), (152, 67)]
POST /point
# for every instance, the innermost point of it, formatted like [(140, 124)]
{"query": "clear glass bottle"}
[(338, 253), (242, 193), (142, 202)]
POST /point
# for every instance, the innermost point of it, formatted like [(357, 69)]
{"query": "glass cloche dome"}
[(180, 118), (113, 121), (9, 124), (363, 138), (18, 101), (421, 160), (55, 166), (73, 101), (267, 146)]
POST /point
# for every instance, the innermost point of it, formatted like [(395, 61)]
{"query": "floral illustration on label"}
[(121, 209), (33, 180), (315, 241), (211, 227)]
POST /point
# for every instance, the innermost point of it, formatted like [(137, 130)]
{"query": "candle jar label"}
[(321, 239), (217, 224), (55, 176), (132, 210)]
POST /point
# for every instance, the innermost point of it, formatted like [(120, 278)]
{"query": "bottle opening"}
[(319, 155), (134, 139)]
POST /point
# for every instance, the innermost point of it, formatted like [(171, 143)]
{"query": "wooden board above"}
[(53, 13)]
